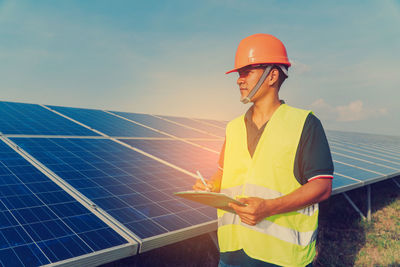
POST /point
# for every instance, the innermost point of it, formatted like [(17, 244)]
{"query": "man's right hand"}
[(213, 185), (199, 186)]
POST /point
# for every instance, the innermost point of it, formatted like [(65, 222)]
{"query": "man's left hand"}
[(256, 209)]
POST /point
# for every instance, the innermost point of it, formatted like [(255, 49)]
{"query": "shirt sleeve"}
[(313, 157)]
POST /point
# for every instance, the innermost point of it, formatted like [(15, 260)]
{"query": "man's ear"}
[(273, 77)]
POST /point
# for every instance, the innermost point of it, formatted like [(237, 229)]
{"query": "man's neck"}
[(264, 109)]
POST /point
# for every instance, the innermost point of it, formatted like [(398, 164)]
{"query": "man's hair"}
[(282, 76)]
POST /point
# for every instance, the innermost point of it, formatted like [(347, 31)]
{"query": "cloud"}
[(299, 67), (354, 111)]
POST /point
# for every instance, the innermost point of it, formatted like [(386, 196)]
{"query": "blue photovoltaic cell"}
[(340, 182), (221, 124), (19, 118), (215, 145), (385, 144), (39, 222), (163, 125), (365, 165), (391, 164), (134, 189), (384, 155), (218, 131), (106, 123), (354, 172), (181, 154)]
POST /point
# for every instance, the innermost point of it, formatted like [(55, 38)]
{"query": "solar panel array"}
[(90, 186), (362, 159), (40, 223)]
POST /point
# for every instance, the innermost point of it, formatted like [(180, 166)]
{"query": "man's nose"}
[(240, 80)]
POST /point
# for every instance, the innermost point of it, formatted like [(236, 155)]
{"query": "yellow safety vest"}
[(286, 239)]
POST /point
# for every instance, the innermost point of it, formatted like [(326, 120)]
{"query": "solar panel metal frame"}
[(44, 111), (165, 128), (170, 119), (364, 183), (164, 239), (63, 111), (144, 244), (97, 257)]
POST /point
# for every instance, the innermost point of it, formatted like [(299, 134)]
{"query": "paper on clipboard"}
[(216, 200)]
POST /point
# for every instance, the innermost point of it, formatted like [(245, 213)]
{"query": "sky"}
[(170, 57)]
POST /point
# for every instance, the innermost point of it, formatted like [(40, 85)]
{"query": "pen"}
[(202, 179)]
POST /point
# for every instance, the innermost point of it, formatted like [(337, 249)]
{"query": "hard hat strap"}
[(284, 69), (247, 99)]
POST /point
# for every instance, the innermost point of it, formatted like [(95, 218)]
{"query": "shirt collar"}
[(249, 113)]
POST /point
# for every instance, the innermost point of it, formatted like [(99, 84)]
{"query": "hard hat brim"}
[(236, 69)]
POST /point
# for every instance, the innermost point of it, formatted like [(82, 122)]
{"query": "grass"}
[(344, 239)]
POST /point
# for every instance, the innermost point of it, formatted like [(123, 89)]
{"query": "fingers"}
[(199, 186), (248, 221), (239, 209), (210, 186), (245, 201), (246, 213)]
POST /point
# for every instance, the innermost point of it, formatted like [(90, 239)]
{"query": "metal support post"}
[(397, 183), (369, 202), (354, 205), (214, 238)]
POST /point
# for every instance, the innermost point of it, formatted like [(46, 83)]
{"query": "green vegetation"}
[(344, 238)]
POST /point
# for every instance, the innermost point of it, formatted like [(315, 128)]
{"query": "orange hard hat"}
[(260, 48)]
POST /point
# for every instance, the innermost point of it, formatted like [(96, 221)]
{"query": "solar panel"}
[(19, 118), (106, 123), (134, 189), (221, 124), (215, 145), (385, 144), (343, 183), (163, 125), (215, 130), (179, 153), (353, 171), (356, 157), (359, 149), (383, 154), (366, 165), (41, 223), (391, 164)]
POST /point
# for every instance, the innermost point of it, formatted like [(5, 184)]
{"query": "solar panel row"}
[(128, 165), (133, 188), (19, 118)]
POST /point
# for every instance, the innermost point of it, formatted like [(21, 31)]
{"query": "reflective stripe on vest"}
[(286, 239), (270, 228)]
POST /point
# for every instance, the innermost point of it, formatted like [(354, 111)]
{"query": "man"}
[(276, 161)]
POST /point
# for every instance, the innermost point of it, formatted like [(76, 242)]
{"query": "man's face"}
[(248, 78)]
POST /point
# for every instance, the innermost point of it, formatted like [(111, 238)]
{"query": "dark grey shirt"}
[(313, 156)]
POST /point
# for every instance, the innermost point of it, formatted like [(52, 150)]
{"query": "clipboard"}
[(212, 199)]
